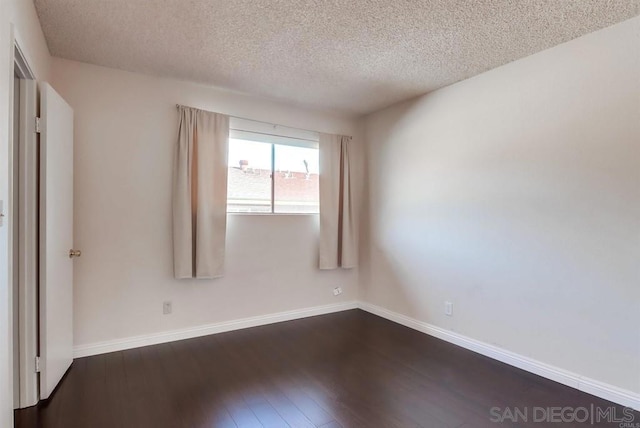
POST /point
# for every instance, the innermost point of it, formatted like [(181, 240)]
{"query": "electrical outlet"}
[(337, 291), (167, 307), (448, 309)]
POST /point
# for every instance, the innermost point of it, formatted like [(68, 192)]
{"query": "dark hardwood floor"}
[(349, 369)]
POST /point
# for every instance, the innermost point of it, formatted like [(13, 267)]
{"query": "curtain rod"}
[(274, 135), (261, 121)]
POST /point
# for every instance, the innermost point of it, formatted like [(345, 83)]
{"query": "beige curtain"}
[(338, 239), (200, 194)]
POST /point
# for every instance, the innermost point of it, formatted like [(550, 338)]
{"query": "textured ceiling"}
[(352, 55)]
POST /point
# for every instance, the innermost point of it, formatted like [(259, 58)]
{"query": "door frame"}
[(27, 199)]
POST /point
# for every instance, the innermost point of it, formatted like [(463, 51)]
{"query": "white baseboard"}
[(205, 330), (565, 377)]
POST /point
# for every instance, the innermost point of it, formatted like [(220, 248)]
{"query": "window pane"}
[(296, 180), (249, 179)]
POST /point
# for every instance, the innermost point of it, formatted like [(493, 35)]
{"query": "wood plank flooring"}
[(349, 369)]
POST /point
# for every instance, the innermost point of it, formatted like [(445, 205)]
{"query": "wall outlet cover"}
[(448, 308), (167, 307)]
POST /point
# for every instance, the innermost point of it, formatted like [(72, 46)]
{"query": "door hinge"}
[(37, 364), (37, 125)]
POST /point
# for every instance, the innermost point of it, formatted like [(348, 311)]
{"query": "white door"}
[(56, 239)]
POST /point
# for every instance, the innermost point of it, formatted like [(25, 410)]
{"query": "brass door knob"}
[(74, 253)]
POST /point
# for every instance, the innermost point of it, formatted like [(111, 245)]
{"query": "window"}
[(249, 177), (270, 173)]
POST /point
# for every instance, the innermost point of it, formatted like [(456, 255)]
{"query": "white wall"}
[(516, 195), (17, 19), (125, 131)]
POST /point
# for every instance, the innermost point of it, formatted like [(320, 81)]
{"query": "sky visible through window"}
[(288, 158)]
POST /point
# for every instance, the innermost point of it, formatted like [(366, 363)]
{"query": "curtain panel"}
[(200, 194), (338, 231)]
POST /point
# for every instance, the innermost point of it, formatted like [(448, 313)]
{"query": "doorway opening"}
[(24, 197)]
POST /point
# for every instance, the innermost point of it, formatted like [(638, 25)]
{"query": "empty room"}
[(319, 213)]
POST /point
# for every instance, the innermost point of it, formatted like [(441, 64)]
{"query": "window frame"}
[(264, 133)]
